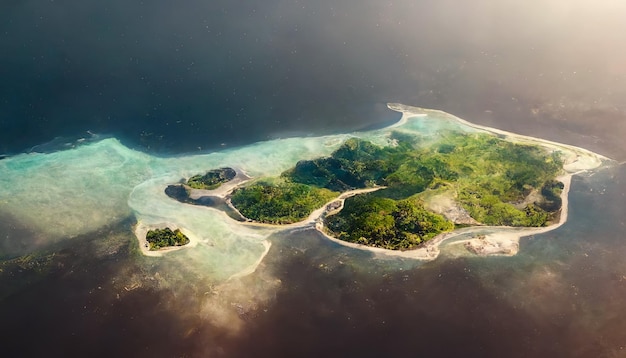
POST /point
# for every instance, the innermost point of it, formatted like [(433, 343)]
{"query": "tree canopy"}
[(159, 238), (387, 223), (212, 179), (283, 203), (488, 176)]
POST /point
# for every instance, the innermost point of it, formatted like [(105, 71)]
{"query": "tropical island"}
[(162, 238), (403, 191), (491, 180), (212, 179)]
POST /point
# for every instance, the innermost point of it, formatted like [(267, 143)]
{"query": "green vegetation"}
[(387, 223), (212, 179), (159, 238), (356, 164), (499, 174), (281, 203), (491, 178)]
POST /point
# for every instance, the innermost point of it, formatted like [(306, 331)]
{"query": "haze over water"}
[(169, 79)]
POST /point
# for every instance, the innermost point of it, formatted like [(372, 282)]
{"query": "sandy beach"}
[(505, 239), (141, 229)]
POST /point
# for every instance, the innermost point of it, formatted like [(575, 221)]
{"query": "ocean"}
[(126, 93)]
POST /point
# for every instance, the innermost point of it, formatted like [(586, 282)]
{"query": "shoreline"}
[(507, 243), (252, 268), (484, 240)]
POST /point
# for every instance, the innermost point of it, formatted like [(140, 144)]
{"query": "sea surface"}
[(158, 90)]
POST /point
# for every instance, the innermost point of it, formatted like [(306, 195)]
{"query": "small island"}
[(212, 179), (279, 202), (208, 189), (403, 192), (163, 238)]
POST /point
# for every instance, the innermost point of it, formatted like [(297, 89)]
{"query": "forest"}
[(212, 179), (282, 203), (160, 238), (489, 177), (382, 222)]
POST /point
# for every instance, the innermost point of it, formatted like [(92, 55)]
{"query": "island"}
[(212, 179), (163, 238), (402, 192), (486, 180), (279, 201)]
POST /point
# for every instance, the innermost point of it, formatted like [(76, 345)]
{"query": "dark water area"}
[(562, 296), (168, 79), (93, 297)]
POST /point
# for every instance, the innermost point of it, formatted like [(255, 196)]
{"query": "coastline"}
[(507, 243), (478, 240)]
